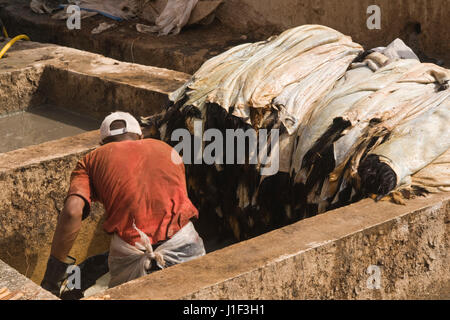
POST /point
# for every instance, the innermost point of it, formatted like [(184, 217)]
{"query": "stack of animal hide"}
[(349, 123)]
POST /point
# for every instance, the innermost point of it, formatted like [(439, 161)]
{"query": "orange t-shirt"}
[(135, 181)]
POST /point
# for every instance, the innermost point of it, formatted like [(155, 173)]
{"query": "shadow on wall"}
[(28, 250), (15, 252)]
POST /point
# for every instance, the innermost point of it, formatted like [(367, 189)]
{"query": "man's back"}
[(137, 181), (142, 186)]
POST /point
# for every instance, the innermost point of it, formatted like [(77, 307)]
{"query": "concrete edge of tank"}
[(335, 255), (35, 73), (15, 282)]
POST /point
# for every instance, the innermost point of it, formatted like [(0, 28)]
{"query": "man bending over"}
[(141, 184)]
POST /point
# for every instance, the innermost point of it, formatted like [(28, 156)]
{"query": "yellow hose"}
[(11, 42)]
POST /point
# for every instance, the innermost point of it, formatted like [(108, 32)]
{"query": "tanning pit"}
[(52, 100), (327, 256)]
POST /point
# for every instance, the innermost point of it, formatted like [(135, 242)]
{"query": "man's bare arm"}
[(67, 228)]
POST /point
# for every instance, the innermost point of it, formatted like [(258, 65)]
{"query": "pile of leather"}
[(352, 123)]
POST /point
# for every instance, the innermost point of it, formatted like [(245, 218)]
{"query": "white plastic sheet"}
[(174, 17), (397, 49)]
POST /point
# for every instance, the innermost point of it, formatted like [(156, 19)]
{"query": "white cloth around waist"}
[(127, 262)]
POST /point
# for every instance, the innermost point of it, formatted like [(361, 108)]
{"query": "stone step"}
[(184, 52)]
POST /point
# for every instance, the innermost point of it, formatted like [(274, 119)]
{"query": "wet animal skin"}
[(376, 177)]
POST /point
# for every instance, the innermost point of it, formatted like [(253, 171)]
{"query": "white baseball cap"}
[(131, 125)]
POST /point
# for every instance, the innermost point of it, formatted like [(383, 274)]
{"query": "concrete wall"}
[(398, 18), (324, 257), (33, 74), (242, 21), (18, 89), (97, 96), (33, 185)]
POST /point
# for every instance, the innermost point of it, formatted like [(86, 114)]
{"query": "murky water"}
[(41, 124)]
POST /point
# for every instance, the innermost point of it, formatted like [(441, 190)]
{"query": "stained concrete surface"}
[(15, 282), (323, 257)]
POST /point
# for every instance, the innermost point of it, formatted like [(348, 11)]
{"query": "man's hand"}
[(69, 223), (54, 276)]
